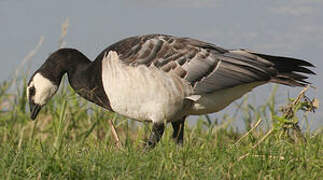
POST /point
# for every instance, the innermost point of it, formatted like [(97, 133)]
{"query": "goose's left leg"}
[(156, 134), (178, 133)]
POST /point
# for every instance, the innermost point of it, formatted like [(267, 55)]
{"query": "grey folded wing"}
[(205, 66)]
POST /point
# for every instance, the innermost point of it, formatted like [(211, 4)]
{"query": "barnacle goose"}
[(161, 78)]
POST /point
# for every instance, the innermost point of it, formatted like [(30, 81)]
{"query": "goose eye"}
[(32, 91)]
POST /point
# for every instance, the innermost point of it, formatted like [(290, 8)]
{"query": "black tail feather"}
[(289, 69), (284, 60)]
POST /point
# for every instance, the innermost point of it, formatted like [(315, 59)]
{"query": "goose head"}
[(39, 91), (44, 83)]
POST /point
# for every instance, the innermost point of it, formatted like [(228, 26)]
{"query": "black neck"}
[(83, 75)]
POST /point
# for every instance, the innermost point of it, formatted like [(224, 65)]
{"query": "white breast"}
[(143, 93)]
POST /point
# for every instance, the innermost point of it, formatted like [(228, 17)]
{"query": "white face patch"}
[(44, 89)]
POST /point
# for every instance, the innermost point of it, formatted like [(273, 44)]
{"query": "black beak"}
[(34, 110)]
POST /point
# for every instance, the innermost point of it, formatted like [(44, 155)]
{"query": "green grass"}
[(71, 139)]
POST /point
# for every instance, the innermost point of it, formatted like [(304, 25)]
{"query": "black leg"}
[(178, 133), (156, 134)]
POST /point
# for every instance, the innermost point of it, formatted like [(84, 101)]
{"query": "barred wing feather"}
[(208, 67)]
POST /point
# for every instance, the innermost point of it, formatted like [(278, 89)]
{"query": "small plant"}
[(287, 125)]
